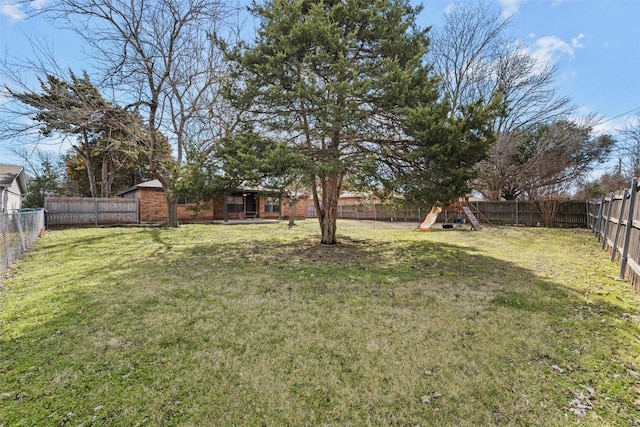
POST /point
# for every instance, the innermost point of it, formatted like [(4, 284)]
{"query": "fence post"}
[(95, 207), (5, 241), (606, 224), (599, 221), (627, 234), (16, 218), (375, 213), (517, 213), (586, 209), (614, 249)]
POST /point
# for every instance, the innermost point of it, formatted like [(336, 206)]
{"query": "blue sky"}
[(595, 45)]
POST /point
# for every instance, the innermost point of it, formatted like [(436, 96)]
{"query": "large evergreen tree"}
[(347, 83)]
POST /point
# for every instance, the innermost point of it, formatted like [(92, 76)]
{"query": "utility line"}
[(618, 116)]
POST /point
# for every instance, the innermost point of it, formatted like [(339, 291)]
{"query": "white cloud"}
[(549, 48), (39, 4), (510, 7), (11, 10), (575, 42), (14, 10), (450, 8)]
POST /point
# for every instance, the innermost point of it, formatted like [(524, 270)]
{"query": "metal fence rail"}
[(18, 231)]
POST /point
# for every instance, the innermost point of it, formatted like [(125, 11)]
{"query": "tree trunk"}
[(106, 179), (293, 201), (85, 154), (329, 212), (328, 227), (172, 200), (91, 174), (172, 209)]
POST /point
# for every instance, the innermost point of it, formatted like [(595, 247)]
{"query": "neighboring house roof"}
[(154, 183), (157, 185), (355, 195), (12, 173)]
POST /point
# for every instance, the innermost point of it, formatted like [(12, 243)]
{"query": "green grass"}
[(261, 325)]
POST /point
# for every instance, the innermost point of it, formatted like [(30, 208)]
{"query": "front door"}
[(250, 205)]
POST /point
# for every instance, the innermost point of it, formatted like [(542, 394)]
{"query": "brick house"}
[(246, 203)]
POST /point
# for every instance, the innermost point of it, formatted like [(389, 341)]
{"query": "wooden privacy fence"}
[(90, 211), (570, 214), (615, 220)]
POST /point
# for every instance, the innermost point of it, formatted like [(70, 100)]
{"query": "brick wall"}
[(186, 213), (153, 207), (301, 210), (300, 213)]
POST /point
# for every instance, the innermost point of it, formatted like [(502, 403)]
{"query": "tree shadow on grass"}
[(100, 342)]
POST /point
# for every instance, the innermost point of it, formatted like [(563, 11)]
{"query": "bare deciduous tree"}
[(628, 149), (159, 59), (465, 49), (478, 60), (554, 156)]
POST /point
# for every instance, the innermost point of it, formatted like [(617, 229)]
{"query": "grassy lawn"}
[(261, 325)]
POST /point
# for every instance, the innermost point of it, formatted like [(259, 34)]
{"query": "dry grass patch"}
[(260, 325)]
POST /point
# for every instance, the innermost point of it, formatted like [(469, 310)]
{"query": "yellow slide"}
[(430, 219)]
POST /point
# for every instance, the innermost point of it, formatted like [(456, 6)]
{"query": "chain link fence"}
[(18, 231)]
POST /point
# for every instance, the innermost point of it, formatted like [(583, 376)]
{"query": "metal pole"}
[(629, 225)]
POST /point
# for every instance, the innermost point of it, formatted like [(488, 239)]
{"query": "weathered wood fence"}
[(615, 220), (570, 214), (64, 211)]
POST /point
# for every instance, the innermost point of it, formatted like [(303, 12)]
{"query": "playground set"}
[(461, 211)]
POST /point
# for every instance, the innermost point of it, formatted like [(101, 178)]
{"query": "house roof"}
[(11, 173), (154, 183)]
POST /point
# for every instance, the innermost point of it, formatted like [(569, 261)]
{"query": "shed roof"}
[(11, 173), (154, 183)]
